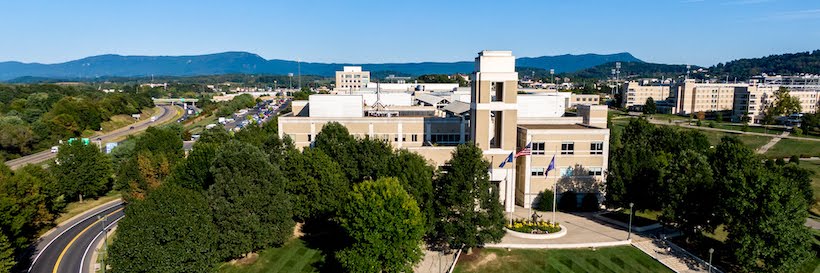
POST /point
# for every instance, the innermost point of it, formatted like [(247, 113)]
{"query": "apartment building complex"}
[(741, 99), (636, 93), (496, 118), (352, 78)]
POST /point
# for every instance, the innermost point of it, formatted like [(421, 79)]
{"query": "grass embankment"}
[(294, 256), (120, 121), (610, 259), (197, 125), (788, 147), (74, 208)]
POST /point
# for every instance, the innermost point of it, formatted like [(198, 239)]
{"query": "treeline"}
[(630, 70), (367, 206), (442, 78), (698, 188), (784, 64), (32, 197), (34, 117), (239, 102)]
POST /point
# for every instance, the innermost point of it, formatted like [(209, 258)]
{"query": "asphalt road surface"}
[(66, 249), (166, 115)]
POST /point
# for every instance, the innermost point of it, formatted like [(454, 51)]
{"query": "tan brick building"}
[(580, 143)]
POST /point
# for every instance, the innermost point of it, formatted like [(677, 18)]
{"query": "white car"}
[(54, 149)]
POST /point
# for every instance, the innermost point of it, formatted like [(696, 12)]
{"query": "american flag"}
[(526, 151)]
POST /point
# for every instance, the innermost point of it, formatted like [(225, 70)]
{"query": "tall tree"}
[(385, 226), (784, 104), (194, 173), (416, 176), (336, 141), (170, 231), (316, 182), (82, 170), (467, 207), (689, 178), (649, 107), (248, 200)]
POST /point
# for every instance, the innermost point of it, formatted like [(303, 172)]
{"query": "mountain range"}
[(248, 63)]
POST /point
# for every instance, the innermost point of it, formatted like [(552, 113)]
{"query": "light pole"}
[(631, 211), (711, 250)]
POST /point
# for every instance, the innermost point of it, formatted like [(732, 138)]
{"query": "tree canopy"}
[(82, 170)]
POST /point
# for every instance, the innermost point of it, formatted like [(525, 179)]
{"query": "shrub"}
[(590, 202), (794, 159), (711, 125), (545, 200), (537, 227), (745, 127), (797, 131), (698, 123), (568, 201), (780, 162)]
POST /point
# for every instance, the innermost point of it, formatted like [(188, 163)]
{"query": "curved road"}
[(166, 115), (66, 248)]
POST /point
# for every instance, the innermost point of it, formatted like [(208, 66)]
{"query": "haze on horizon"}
[(701, 32)]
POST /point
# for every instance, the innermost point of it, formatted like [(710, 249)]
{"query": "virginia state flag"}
[(551, 166), (509, 159)]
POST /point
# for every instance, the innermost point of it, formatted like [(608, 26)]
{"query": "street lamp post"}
[(711, 250), (631, 211)]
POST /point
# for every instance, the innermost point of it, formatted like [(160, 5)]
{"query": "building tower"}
[(494, 115)]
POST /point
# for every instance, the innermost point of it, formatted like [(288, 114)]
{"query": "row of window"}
[(568, 148), (569, 171), (434, 138)]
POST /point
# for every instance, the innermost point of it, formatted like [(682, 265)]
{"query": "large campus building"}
[(494, 116)]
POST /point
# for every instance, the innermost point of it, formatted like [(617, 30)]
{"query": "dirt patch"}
[(477, 259), (250, 258)]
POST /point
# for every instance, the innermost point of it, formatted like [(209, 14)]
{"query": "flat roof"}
[(555, 126)]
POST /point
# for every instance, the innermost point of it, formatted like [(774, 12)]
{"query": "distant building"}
[(636, 93), (352, 78), (495, 117)]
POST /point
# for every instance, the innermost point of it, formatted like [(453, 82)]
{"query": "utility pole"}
[(299, 72)]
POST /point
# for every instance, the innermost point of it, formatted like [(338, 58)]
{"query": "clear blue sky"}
[(701, 32)]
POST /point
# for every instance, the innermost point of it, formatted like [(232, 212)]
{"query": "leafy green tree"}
[(170, 231), (82, 170), (649, 107), (336, 141), (216, 135), (248, 201), (7, 261), (142, 174), (385, 226), (810, 122), (194, 173), (315, 182), (166, 140), (689, 177), (416, 176), (467, 207)]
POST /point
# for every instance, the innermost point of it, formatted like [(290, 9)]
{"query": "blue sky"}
[(702, 32)]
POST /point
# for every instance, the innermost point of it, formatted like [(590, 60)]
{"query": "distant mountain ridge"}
[(111, 65)]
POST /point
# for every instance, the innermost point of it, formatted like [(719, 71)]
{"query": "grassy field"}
[(610, 259), (788, 147), (294, 256)]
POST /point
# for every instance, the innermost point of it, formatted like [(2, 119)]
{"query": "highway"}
[(67, 248), (166, 115)]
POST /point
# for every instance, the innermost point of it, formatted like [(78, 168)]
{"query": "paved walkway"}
[(814, 224), (582, 228), (434, 262), (771, 143)]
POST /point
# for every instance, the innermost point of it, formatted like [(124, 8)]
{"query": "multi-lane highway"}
[(165, 115), (67, 248)]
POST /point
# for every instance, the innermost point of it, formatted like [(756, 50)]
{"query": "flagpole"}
[(509, 189), (554, 191)]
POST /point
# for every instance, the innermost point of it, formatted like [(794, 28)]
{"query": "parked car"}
[(55, 149)]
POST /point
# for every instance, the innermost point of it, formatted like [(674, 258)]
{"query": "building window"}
[(565, 172), (414, 138), (497, 91), (596, 171), (537, 171), (538, 148), (596, 148), (568, 148), (310, 137)]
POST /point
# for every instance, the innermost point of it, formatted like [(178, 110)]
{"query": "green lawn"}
[(788, 147), (610, 259), (294, 256)]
